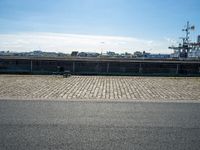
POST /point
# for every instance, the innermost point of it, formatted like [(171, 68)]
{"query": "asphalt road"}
[(42, 125)]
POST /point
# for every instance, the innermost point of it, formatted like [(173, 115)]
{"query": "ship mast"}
[(187, 31), (184, 47)]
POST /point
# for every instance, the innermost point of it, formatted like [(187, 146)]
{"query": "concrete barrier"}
[(99, 66)]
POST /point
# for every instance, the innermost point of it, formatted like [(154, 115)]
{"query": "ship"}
[(187, 49)]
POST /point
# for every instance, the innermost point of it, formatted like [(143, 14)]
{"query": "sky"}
[(95, 25)]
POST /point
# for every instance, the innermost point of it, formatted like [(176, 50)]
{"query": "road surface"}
[(44, 125)]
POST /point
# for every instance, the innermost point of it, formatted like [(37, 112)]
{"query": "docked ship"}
[(187, 49)]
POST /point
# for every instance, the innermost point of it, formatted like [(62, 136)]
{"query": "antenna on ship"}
[(187, 31)]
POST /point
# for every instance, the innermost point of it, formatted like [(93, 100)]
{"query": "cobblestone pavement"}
[(99, 88)]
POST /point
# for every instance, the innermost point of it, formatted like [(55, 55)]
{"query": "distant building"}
[(145, 55), (88, 54), (74, 53), (126, 55), (2, 52), (82, 54), (137, 54), (36, 53), (111, 54), (159, 56), (198, 39)]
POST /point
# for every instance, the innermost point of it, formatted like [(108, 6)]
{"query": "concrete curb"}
[(96, 100)]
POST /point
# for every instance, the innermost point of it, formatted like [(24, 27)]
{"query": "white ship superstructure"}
[(187, 49)]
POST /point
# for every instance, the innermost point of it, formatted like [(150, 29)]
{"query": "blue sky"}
[(121, 25)]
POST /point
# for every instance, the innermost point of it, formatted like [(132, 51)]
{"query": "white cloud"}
[(173, 41), (69, 42)]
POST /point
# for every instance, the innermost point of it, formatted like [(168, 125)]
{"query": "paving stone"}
[(99, 87)]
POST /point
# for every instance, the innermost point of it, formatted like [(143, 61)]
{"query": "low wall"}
[(99, 66)]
